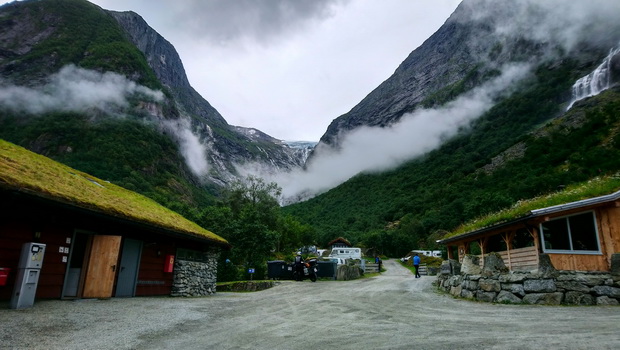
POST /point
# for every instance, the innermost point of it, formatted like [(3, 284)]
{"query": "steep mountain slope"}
[(82, 85), (478, 39), (522, 146), (229, 145)]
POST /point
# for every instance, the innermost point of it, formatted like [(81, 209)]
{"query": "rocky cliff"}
[(478, 39), (230, 146), (104, 93)]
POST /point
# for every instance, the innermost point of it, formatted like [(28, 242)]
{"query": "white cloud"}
[(74, 89), (376, 149), (192, 148), (556, 21)]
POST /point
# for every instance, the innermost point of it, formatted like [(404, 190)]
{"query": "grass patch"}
[(596, 187)]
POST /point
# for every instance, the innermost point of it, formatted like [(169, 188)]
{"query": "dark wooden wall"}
[(23, 220)]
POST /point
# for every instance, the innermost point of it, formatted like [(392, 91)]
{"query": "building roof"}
[(580, 196), (340, 239), (577, 204), (29, 173)]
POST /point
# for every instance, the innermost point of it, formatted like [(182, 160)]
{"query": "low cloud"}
[(74, 89), (374, 149), (556, 21), (192, 148)]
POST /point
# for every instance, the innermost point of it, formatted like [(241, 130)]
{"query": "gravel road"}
[(391, 311)]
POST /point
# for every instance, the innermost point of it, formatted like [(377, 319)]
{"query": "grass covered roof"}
[(596, 187), (34, 174)]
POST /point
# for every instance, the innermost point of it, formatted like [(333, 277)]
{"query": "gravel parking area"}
[(391, 311)]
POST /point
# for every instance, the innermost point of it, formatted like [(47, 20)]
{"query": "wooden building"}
[(581, 235), (101, 240), (339, 242)]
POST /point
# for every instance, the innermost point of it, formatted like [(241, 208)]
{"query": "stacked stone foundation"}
[(195, 278), (494, 283)]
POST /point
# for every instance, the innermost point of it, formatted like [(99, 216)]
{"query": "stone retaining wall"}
[(195, 278), (247, 286), (494, 283)]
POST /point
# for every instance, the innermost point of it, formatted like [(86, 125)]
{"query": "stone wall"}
[(494, 283), (247, 286), (195, 278), (348, 272)]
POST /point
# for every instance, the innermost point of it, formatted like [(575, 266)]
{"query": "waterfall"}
[(595, 82)]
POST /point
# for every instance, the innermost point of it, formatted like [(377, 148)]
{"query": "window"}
[(575, 233)]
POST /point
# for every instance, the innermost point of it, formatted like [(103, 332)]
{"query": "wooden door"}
[(99, 280)]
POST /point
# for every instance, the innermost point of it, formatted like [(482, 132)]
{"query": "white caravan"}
[(434, 253), (346, 253)]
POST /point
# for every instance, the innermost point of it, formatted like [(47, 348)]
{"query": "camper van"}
[(346, 253), (434, 253)]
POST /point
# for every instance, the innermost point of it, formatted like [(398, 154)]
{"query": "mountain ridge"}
[(40, 40), (461, 54), (524, 145)]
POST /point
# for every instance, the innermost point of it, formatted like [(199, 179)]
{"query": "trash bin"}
[(275, 268), (4, 275), (327, 269), (287, 273)]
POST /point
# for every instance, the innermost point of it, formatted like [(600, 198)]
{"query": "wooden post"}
[(507, 237), (483, 245), (463, 249), (534, 233)]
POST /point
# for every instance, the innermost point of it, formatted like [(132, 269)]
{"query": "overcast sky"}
[(289, 67)]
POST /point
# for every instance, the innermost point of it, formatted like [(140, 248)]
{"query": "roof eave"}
[(486, 229), (537, 213), (577, 204)]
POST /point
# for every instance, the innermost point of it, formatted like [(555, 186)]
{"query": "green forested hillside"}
[(124, 151), (408, 207), (75, 32), (125, 147)]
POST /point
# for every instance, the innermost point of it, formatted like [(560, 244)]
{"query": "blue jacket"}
[(416, 260)]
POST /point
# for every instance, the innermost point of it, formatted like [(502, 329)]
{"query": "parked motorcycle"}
[(307, 269)]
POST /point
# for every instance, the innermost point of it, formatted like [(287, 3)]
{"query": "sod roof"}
[(27, 172), (603, 188), (341, 240)]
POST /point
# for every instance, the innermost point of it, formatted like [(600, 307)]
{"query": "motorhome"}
[(346, 253), (434, 253)]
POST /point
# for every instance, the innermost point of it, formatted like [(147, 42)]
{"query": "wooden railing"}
[(518, 259)]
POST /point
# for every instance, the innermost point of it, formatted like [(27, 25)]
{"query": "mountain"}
[(103, 92), (231, 145), (477, 119), (478, 39)]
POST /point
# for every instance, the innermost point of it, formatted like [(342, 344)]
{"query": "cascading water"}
[(595, 82)]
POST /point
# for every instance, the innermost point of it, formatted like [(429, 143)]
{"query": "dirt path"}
[(392, 311)]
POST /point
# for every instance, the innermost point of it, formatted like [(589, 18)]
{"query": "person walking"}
[(416, 264)]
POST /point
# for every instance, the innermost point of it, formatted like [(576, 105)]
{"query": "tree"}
[(249, 217)]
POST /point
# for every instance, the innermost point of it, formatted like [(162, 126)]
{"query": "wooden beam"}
[(507, 237), (482, 242)]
